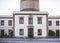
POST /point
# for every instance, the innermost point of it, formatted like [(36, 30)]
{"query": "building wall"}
[(21, 26), (42, 26), (36, 26), (53, 27), (6, 27), (25, 26)]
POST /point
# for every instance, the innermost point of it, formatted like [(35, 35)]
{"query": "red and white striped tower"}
[(29, 5)]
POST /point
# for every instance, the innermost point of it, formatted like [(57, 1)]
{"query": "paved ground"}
[(19, 40)]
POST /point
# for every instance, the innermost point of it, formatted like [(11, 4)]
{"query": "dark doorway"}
[(57, 32), (30, 33), (2, 32)]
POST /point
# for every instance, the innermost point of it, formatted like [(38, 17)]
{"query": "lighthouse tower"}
[(29, 5)]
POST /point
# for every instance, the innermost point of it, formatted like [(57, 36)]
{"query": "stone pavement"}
[(23, 40)]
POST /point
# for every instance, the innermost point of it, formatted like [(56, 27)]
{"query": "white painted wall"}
[(54, 27), (24, 26), (6, 27), (42, 26), (21, 26)]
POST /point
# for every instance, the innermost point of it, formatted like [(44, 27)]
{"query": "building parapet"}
[(34, 12)]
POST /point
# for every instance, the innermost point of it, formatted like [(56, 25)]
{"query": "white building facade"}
[(6, 25), (54, 24), (29, 22)]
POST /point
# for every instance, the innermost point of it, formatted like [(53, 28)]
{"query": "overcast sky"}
[(8, 6)]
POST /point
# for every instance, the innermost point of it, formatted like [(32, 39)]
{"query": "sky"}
[(8, 6)]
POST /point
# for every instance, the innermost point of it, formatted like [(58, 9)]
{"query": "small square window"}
[(30, 20), (21, 31), (39, 20), (39, 31), (10, 22), (2, 22), (57, 23), (50, 23), (21, 20)]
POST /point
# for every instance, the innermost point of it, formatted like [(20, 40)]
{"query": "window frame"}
[(39, 20), (49, 23), (21, 31), (39, 32), (2, 23), (21, 21), (57, 23), (10, 22), (30, 20)]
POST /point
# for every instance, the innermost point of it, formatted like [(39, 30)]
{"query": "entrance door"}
[(30, 32), (2, 32), (57, 32)]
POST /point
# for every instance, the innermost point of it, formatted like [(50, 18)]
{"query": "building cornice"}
[(30, 13)]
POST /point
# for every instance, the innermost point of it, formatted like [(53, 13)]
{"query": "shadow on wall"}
[(5, 35), (53, 34)]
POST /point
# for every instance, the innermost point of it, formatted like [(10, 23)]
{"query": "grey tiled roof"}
[(6, 15), (53, 17), (49, 17)]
